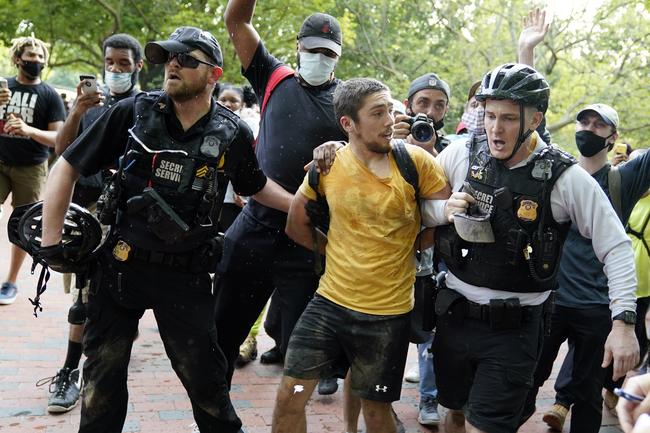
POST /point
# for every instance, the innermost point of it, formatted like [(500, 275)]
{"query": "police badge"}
[(211, 146)]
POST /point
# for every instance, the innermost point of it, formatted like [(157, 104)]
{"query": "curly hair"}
[(19, 45)]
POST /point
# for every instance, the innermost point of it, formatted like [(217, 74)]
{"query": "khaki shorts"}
[(23, 182)]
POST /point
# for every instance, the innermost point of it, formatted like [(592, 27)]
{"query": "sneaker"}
[(195, 428), (428, 413), (272, 356), (413, 375), (328, 386), (247, 352), (65, 389), (556, 416), (8, 293)]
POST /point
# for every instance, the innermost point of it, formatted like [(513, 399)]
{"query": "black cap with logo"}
[(183, 40), (321, 31), (429, 81)]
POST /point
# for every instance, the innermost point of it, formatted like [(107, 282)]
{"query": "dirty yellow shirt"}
[(370, 264)]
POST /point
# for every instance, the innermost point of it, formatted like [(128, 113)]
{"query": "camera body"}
[(4, 84), (421, 127)]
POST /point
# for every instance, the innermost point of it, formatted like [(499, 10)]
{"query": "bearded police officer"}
[(177, 149), (514, 200)]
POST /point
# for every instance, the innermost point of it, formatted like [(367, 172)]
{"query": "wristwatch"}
[(628, 317)]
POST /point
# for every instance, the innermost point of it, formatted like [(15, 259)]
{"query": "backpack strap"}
[(406, 166), (614, 185), (640, 234), (277, 76), (409, 172), (318, 212)]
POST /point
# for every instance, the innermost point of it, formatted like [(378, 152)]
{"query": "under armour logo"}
[(381, 388)]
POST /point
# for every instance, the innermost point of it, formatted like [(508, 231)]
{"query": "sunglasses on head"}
[(187, 61)]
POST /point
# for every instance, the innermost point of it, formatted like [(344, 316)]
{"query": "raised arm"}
[(532, 34), (238, 18), (70, 129)]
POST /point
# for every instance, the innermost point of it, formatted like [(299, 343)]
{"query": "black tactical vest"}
[(172, 192), (528, 242)]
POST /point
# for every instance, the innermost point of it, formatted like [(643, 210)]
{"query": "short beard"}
[(187, 92), (378, 148)]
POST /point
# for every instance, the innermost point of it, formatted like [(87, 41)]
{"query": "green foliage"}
[(598, 53)]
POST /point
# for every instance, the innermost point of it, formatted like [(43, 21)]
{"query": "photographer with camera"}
[(426, 105)]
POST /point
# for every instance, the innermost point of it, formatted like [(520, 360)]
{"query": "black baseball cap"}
[(183, 40), (321, 31), (429, 81)]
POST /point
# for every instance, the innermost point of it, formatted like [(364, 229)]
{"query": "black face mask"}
[(32, 69), (589, 143)]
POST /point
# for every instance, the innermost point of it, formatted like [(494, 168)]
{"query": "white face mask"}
[(315, 68), (118, 83)]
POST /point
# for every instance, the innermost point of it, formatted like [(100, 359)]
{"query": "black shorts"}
[(329, 338), (485, 372)]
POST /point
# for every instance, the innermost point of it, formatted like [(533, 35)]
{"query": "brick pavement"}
[(34, 348)]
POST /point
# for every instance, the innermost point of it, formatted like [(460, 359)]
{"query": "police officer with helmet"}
[(515, 198), (177, 150)]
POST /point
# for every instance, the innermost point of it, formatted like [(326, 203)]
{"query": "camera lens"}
[(88, 84), (422, 131)]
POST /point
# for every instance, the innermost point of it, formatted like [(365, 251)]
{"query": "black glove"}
[(55, 258)]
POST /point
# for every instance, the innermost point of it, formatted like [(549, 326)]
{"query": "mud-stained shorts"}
[(330, 338)]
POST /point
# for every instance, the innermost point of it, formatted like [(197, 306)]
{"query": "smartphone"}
[(620, 148), (3, 83), (89, 84)]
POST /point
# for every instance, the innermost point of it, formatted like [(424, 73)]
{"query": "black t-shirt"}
[(296, 120), (100, 145), (38, 105), (95, 113), (88, 188)]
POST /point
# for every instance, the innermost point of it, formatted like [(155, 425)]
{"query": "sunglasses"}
[(187, 61)]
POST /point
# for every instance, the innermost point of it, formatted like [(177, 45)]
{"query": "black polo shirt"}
[(99, 146)]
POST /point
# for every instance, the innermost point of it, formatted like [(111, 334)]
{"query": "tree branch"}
[(117, 20)]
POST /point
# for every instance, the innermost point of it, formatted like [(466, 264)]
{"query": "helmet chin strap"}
[(522, 135)]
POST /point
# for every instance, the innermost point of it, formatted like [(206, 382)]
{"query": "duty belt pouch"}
[(450, 302), (207, 257), (516, 243), (505, 314), (427, 294)]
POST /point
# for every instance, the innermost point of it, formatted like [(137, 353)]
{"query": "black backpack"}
[(318, 210)]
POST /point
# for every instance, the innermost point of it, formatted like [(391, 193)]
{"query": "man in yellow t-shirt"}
[(359, 317)]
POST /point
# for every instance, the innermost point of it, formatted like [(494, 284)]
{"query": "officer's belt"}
[(482, 311)]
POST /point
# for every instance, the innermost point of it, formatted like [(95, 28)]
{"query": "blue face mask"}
[(315, 68), (118, 83)]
